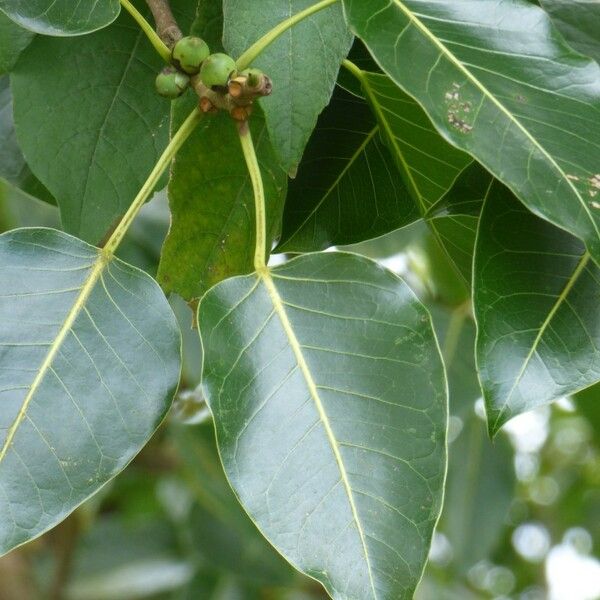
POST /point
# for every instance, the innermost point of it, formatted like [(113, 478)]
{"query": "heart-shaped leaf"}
[(88, 122), (329, 399), (536, 296), (303, 64), (502, 85), (61, 17), (89, 354)]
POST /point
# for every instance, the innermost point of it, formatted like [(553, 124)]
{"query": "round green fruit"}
[(216, 70), (189, 53), (171, 83)]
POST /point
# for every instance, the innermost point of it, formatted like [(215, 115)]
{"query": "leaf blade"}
[(102, 137), (346, 190), (71, 421), (477, 90), (537, 328), (317, 385), (60, 17), (302, 83)]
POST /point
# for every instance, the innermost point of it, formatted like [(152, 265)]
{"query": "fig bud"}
[(171, 83), (253, 77), (216, 70), (189, 53)]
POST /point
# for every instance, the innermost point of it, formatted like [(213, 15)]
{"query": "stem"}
[(163, 162), (246, 59), (260, 250), (354, 69), (166, 25), (155, 40)]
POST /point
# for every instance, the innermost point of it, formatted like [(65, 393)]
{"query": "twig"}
[(166, 25)]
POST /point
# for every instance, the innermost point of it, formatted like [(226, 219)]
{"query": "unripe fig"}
[(216, 70), (171, 83), (189, 53)]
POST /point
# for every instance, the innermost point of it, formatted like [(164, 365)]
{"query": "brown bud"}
[(206, 106), (241, 113), (236, 87)]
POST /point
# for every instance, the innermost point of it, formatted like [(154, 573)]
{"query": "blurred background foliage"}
[(521, 517)]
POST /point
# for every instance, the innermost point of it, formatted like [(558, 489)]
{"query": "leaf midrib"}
[(83, 296), (265, 276), (359, 151), (453, 59), (583, 261)]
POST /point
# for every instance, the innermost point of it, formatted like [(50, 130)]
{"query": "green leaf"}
[(455, 217), (303, 64), (221, 531), (578, 21), (14, 40), (429, 165), (212, 219), (61, 17), (90, 360), (89, 123), (328, 394), (502, 85), (13, 168), (347, 189), (536, 296)]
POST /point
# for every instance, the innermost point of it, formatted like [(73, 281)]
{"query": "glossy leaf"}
[(90, 359), (428, 163), (502, 85), (303, 64), (347, 189), (212, 220), (221, 531), (13, 168), (328, 394), (61, 17), (578, 21), (14, 40), (88, 122), (455, 217), (536, 296)]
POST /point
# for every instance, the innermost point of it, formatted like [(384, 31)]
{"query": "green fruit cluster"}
[(191, 56)]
